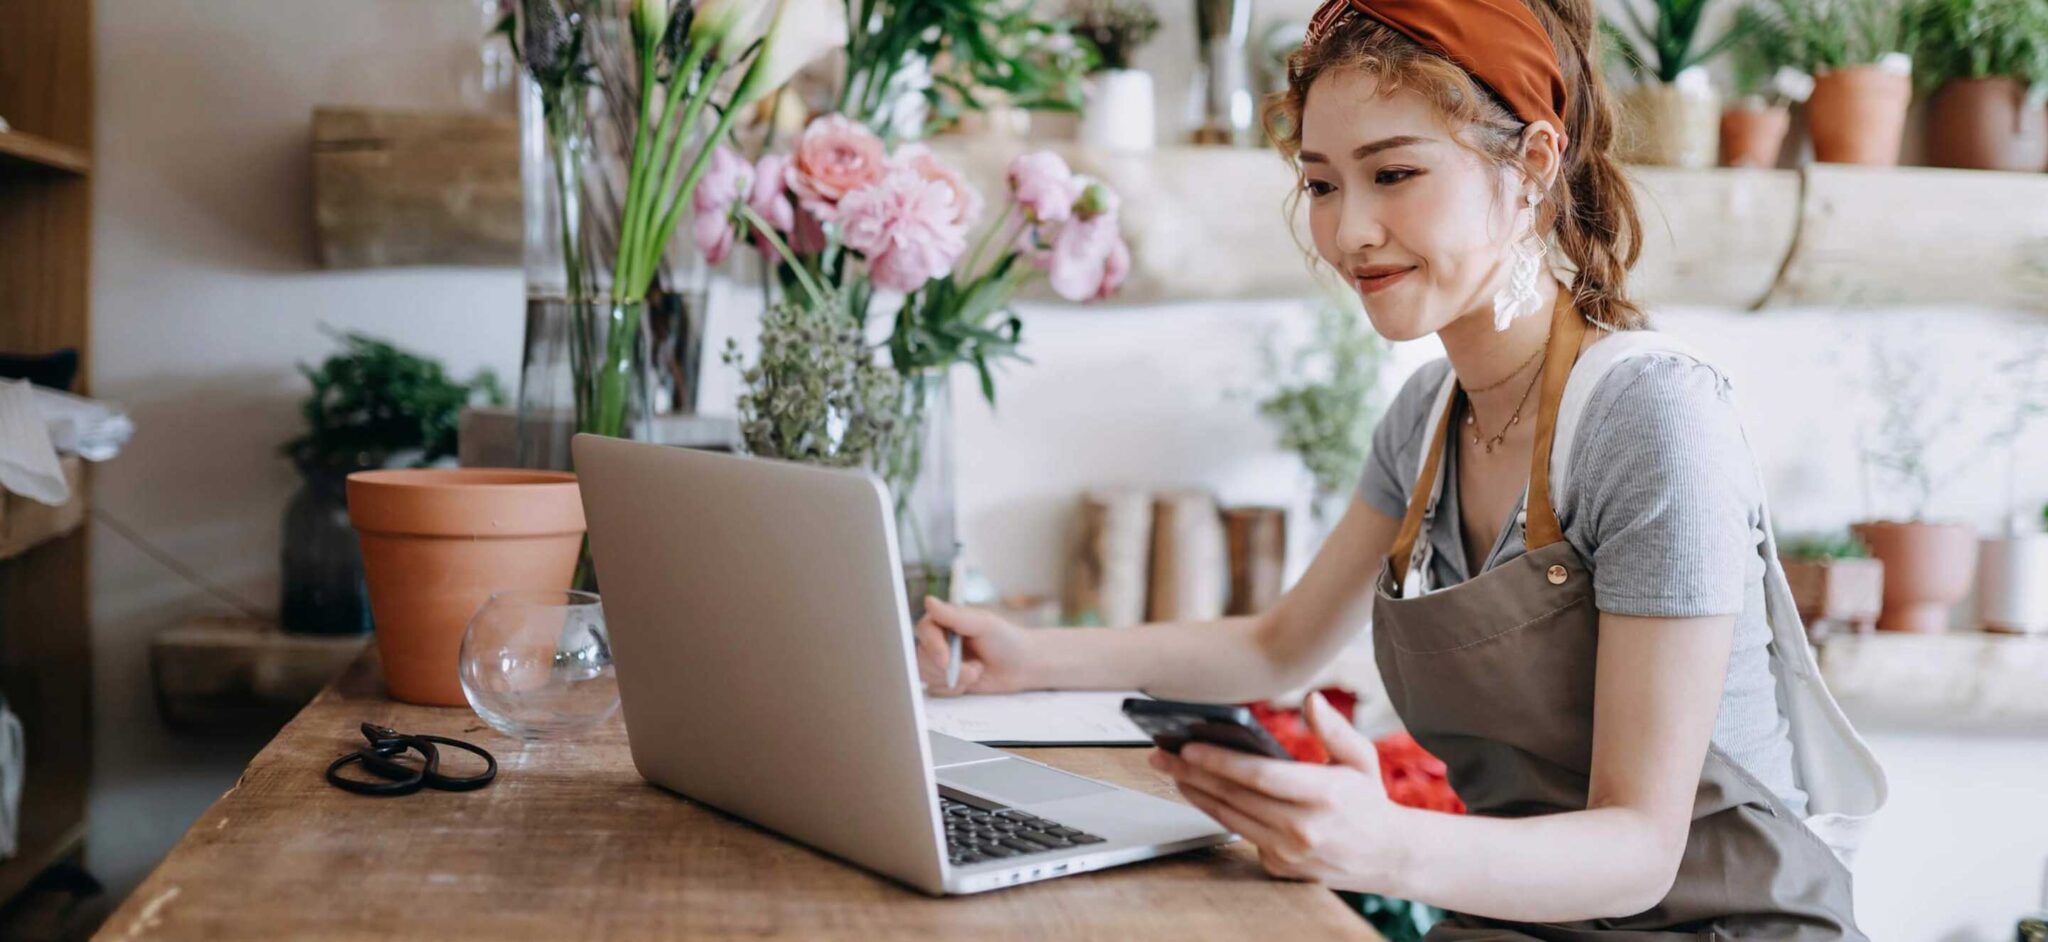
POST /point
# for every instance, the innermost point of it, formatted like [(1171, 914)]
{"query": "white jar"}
[(1118, 111), (2012, 583)]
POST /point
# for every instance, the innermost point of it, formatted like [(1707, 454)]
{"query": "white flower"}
[(650, 20), (802, 31), (728, 27)]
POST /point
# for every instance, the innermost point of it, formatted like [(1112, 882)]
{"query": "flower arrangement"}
[(1116, 28)]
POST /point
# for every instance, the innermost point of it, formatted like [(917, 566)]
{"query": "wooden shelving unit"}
[(46, 96)]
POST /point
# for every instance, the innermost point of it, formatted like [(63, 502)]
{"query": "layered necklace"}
[(1479, 439)]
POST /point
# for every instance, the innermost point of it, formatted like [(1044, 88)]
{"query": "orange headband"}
[(1498, 42)]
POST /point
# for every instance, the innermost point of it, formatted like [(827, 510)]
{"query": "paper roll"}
[(1257, 537), (1190, 558), (1106, 575)]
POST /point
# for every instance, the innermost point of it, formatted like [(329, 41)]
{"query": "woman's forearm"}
[(1225, 660), (1598, 863)]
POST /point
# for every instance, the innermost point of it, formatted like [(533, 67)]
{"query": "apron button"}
[(1557, 575)]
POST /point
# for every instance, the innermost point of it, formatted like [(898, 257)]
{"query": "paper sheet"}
[(1043, 718)]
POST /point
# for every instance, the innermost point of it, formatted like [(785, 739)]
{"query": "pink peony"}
[(727, 179), (1089, 259), (834, 157), (919, 159), (769, 198), (1044, 187), (906, 229)]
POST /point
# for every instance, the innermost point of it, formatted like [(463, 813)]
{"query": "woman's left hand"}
[(1328, 824)]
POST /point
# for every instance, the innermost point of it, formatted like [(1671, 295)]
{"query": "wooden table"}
[(570, 843)]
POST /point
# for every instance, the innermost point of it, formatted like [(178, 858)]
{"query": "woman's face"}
[(1417, 223)]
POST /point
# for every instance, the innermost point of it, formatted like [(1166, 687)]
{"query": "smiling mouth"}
[(1378, 281)]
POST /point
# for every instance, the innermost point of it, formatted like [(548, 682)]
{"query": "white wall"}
[(205, 296)]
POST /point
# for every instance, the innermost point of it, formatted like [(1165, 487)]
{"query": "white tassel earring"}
[(1519, 298)]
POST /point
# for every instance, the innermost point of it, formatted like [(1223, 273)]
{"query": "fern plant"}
[(374, 405), (1969, 39), (1824, 35), (1669, 42)]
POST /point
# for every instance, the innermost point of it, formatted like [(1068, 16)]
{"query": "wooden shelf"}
[(22, 149), (26, 524), (1958, 680)]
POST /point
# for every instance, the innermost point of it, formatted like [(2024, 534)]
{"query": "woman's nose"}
[(1359, 228)]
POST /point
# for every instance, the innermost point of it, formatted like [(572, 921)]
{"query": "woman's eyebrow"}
[(1367, 150)]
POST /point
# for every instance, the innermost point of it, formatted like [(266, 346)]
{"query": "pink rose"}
[(1043, 186), (834, 157), (727, 179), (905, 228), (1089, 259), (769, 198), (919, 159)]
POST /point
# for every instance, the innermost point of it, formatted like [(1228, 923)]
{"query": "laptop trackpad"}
[(1017, 782)]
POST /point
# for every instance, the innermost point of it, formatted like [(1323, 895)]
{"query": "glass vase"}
[(921, 479), (585, 369), (322, 564)]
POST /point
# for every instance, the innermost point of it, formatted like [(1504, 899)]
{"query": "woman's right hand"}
[(994, 656)]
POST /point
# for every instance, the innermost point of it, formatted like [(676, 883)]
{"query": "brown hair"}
[(1591, 209)]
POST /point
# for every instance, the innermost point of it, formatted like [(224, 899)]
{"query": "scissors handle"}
[(380, 758)]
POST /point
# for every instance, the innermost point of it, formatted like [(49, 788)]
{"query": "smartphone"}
[(1173, 724)]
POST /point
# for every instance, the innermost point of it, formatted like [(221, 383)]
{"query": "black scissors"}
[(380, 758)]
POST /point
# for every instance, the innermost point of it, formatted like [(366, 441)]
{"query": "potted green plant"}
[(371, 405), (1986, 62), (1834, 582), (1118, 113), (1671, 116), (1754, 125), (1322, 402), (1859, 54)]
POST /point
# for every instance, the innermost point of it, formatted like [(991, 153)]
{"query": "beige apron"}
[(1495, 676)]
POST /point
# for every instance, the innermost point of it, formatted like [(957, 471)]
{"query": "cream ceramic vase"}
[(2012, 583), (1119, 111)]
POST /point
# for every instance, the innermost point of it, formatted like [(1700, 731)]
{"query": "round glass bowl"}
[(538, 665)]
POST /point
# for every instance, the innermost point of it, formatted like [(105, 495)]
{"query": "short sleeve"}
[(1669, 490), (1397, 442)]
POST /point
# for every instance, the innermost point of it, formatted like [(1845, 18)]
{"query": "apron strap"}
[(1567, 333)]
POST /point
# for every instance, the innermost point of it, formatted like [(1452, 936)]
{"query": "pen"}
[(953, 637)]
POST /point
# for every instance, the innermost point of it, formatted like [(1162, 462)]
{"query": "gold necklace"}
[(1472, 412), (1503, 381)]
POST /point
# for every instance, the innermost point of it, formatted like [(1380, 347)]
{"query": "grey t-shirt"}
[(1663, 501)]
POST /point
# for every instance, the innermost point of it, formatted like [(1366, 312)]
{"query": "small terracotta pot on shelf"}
[(1753, 136), (1985, 124), (1928, 568), (1857, 115), (437, 542), (1837, 594)]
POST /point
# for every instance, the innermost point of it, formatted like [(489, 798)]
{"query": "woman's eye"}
[(1391, 177), (1319, 187)]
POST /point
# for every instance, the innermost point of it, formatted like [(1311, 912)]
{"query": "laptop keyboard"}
[(978, 831)]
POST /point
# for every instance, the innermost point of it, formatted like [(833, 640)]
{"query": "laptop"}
[(766, 668)]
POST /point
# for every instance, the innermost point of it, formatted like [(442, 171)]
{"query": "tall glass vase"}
[(921, 475), (574, 378)]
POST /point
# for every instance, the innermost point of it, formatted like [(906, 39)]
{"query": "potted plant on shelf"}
[(1834, 582), (1118, 113), (1322, 403), (1671, 116), (372, 405), (1859, 54), (1987, 64), (1754, 125)]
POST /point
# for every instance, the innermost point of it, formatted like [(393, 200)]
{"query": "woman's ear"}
[(1543, 153)]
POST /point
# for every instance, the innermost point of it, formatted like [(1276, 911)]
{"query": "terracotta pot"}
[(437, 543), (1754, 137), (1665, 127), (1984, 124), (1927, 570), (1836, 593), (1857, 115)]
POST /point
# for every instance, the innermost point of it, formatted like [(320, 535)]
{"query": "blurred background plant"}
[(1116, 28), (374, 405), (956, 56), (1323, 401), (1669, 42), (1967, 39), (1823, 35)]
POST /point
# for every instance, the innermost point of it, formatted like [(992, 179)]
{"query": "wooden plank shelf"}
[(25, 150), (1957, 680), (1209, 223)]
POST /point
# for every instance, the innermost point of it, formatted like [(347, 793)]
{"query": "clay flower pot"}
[(1984, 124), (1665, 126), (1753, 137), (1857, 115), (1927, 570), (1836, 593), (437, 543)]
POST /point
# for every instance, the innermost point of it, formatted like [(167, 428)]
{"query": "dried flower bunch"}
[(815, 393), (1116, 28)]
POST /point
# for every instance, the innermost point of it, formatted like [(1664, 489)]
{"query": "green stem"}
[(774, 238), (667, 227), (619, 368), (629, 242), (974, 256), (673, 135)]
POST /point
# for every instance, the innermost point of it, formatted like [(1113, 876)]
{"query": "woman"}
[(1595, 661)]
